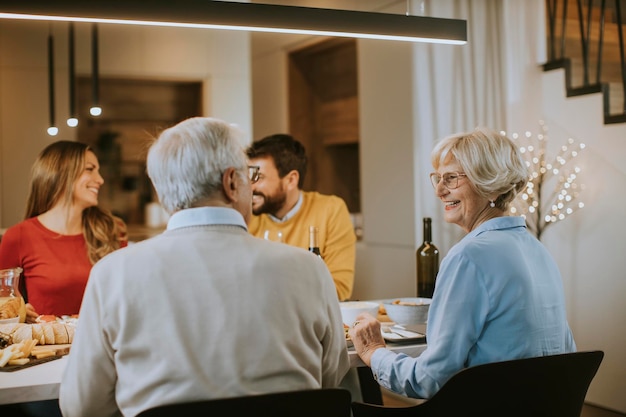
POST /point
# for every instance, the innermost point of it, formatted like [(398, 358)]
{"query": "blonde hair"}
[(491, 161), (53, 176)]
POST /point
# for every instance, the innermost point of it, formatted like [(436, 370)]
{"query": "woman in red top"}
[(64, 232)]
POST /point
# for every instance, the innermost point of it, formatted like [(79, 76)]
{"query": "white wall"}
[(220, 59), (590, 246), (385, 265)]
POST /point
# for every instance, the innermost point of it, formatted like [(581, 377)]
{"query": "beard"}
[(272, 204)]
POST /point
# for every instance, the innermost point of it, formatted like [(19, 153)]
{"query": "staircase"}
[(586, 39)]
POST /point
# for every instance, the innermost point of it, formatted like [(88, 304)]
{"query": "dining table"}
[(41, 382)]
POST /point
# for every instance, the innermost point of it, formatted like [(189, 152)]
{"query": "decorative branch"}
[(536, 204)]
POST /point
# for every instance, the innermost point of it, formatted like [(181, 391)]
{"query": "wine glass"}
[(276, 236)]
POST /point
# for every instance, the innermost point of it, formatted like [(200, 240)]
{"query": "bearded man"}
[(282, 208)]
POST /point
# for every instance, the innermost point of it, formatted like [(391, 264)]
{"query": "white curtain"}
[(491, 81)]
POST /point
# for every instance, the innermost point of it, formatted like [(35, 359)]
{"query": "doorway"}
[(324, 116)]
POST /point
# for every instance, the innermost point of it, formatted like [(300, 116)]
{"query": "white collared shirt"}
[(206, 215)]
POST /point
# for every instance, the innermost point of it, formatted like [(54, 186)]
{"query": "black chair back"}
[(550, 386), (327, 402)]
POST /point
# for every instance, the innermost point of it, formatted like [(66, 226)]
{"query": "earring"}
[(492, 203)]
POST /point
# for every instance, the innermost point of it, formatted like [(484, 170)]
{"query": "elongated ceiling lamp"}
[(95, 109), (244, 16), (52, 129), (72, 121)]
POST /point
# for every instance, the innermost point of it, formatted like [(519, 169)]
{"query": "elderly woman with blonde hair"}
[(498, 294)]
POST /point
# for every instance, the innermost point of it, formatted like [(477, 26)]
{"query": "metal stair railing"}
[(586, 39)]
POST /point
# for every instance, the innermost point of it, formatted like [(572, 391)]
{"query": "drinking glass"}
[(273, 235)]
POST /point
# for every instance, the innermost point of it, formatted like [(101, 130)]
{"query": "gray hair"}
[(491, 161), (186, 162)]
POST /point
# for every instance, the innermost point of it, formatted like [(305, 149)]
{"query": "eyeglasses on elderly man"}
[(253, 172)]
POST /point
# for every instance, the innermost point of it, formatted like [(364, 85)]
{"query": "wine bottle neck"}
[(313, 237), (313, 245), (427, 231)]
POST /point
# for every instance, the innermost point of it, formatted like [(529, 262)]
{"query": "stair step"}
[(616, 98), (611, 71), (610, 82)]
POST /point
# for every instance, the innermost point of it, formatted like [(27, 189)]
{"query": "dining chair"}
[(325, 402), (547, 386)]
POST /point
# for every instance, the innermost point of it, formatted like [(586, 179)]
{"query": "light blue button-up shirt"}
[(498, 296)]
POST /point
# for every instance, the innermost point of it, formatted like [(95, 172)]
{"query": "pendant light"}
[(73, 120), (52, 129), (245, 16), (95, 109)]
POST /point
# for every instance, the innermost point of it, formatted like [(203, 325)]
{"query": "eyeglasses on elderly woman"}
[(450, 179)]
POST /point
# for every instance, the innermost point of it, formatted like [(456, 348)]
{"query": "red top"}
[(56, 267)]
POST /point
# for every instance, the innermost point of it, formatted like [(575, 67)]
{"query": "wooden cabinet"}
[(324, 116), (339, 121)]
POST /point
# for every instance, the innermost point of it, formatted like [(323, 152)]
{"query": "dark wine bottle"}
[(313, 244), (427, 256)]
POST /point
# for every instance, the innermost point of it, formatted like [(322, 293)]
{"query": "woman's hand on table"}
[(366, 337), (31, 314)]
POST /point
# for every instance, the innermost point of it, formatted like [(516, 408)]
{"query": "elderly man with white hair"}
[(204, 310)]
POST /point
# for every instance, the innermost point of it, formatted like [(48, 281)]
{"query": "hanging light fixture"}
[(95, 109), (245, 16), (52, 129), (73, 120)]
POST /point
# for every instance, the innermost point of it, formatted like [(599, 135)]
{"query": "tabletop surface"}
[(41, 382)]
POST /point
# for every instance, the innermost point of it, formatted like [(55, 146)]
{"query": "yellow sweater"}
[(336, 236)]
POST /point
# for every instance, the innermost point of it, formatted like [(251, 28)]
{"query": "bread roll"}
[(48, 334), (22, 332), (43, 333), (9, 328), (70, 333), (60, 334), (38, 333)]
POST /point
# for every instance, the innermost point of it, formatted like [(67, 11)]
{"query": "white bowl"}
[(408, 310), (351, 309), (11, 320)]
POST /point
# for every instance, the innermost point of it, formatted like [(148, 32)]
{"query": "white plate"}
[(11, 320), (392, 333)]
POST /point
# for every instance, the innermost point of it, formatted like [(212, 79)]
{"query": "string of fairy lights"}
[(553, 190)]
